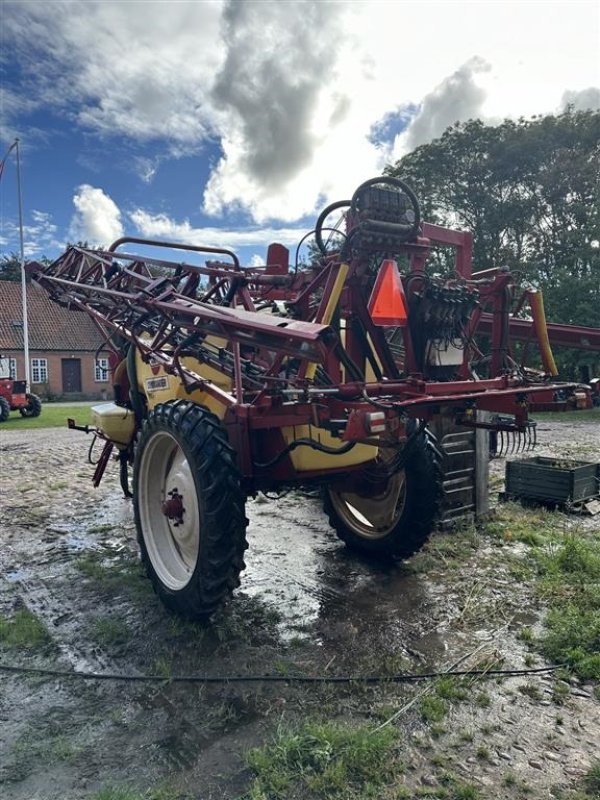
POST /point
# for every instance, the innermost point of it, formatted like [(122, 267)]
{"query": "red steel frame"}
[(170, 316), (581, 337)]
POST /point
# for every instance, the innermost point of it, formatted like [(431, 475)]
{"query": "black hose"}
[(321, 219), (349, 364), (123, 474), (90, 451), (368, 679), (332, 451), (134, 394)]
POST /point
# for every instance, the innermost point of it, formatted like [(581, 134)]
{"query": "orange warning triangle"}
[(387, 304)]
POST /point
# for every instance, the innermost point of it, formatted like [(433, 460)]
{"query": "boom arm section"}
[(124, 295)]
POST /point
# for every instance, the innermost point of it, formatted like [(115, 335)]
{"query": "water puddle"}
[(321, 590)]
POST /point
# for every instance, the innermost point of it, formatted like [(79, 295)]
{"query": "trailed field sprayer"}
[(229, 381)]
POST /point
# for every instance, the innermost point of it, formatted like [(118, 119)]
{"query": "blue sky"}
[(233, 123)]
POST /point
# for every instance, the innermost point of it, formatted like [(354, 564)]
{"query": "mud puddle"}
[(306, 606)]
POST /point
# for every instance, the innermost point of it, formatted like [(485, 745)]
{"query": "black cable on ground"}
[(371, 679)]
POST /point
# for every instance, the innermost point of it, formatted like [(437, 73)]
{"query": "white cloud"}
[(582, 100), (139, 69), (39, 234), (291, 90), (146, 168), (458, 97), (160, 226), (12, 105), (97, 219), (277, 76)]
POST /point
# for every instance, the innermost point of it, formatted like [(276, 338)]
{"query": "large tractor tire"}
[(4, 409), (189, 508), (396, 518), (33, 407)]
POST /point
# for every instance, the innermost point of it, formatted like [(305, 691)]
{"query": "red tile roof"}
[(51, 327)]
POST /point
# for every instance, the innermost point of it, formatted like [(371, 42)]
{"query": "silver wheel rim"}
[(373, 517), (172, 547)]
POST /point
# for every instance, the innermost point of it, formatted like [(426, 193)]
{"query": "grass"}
[(575, 562), (464, 791), (591, 779), (47, 750), (34, 747), (519, 786), (566, 564), (570, 581), (573, 638), (454, 788), (532, 526), (115, 576), (109, 631), (526, 635), (126, 793), (117, 793), (588, 415), (446, 552), (432, 708), (325, 760), (452, 689), (510, 779), (163, 667), (483, 700), (531, 690), (51, 417), (23, 630)]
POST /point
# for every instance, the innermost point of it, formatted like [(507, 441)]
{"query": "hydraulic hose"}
[(322, 448), (134, 395)]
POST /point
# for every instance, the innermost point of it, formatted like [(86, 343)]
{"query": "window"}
[(101, 370), (13, 368), (39, 370)]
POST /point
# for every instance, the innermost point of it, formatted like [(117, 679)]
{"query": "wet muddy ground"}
[(306, 606)]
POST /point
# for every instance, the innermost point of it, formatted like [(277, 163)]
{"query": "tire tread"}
[(423, 503), (223, 535)]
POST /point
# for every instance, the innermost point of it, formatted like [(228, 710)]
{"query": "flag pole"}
[(23, 281)]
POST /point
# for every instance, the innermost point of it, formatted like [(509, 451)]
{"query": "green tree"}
[(530, 192), (10, 267)]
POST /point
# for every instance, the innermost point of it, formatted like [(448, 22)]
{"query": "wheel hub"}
[(169, 510), (173, 508)]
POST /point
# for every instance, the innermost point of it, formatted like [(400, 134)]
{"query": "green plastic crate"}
[(552, 480)]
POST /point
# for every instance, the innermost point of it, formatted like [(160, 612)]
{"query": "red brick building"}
[(65, 347)]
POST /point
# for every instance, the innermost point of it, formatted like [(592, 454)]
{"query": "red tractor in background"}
[(14, 395)]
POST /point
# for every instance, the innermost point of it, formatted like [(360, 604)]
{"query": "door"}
[(71, 375)]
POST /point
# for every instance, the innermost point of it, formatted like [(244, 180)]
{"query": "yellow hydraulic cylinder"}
[(329, 311), (536, 303)]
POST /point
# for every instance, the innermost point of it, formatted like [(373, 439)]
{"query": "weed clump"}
[(23, 629), (322, 759), (592, 779), (117, 576), (125, 793), (433, 709), (573, 638), (571, 580), (109, 631)]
